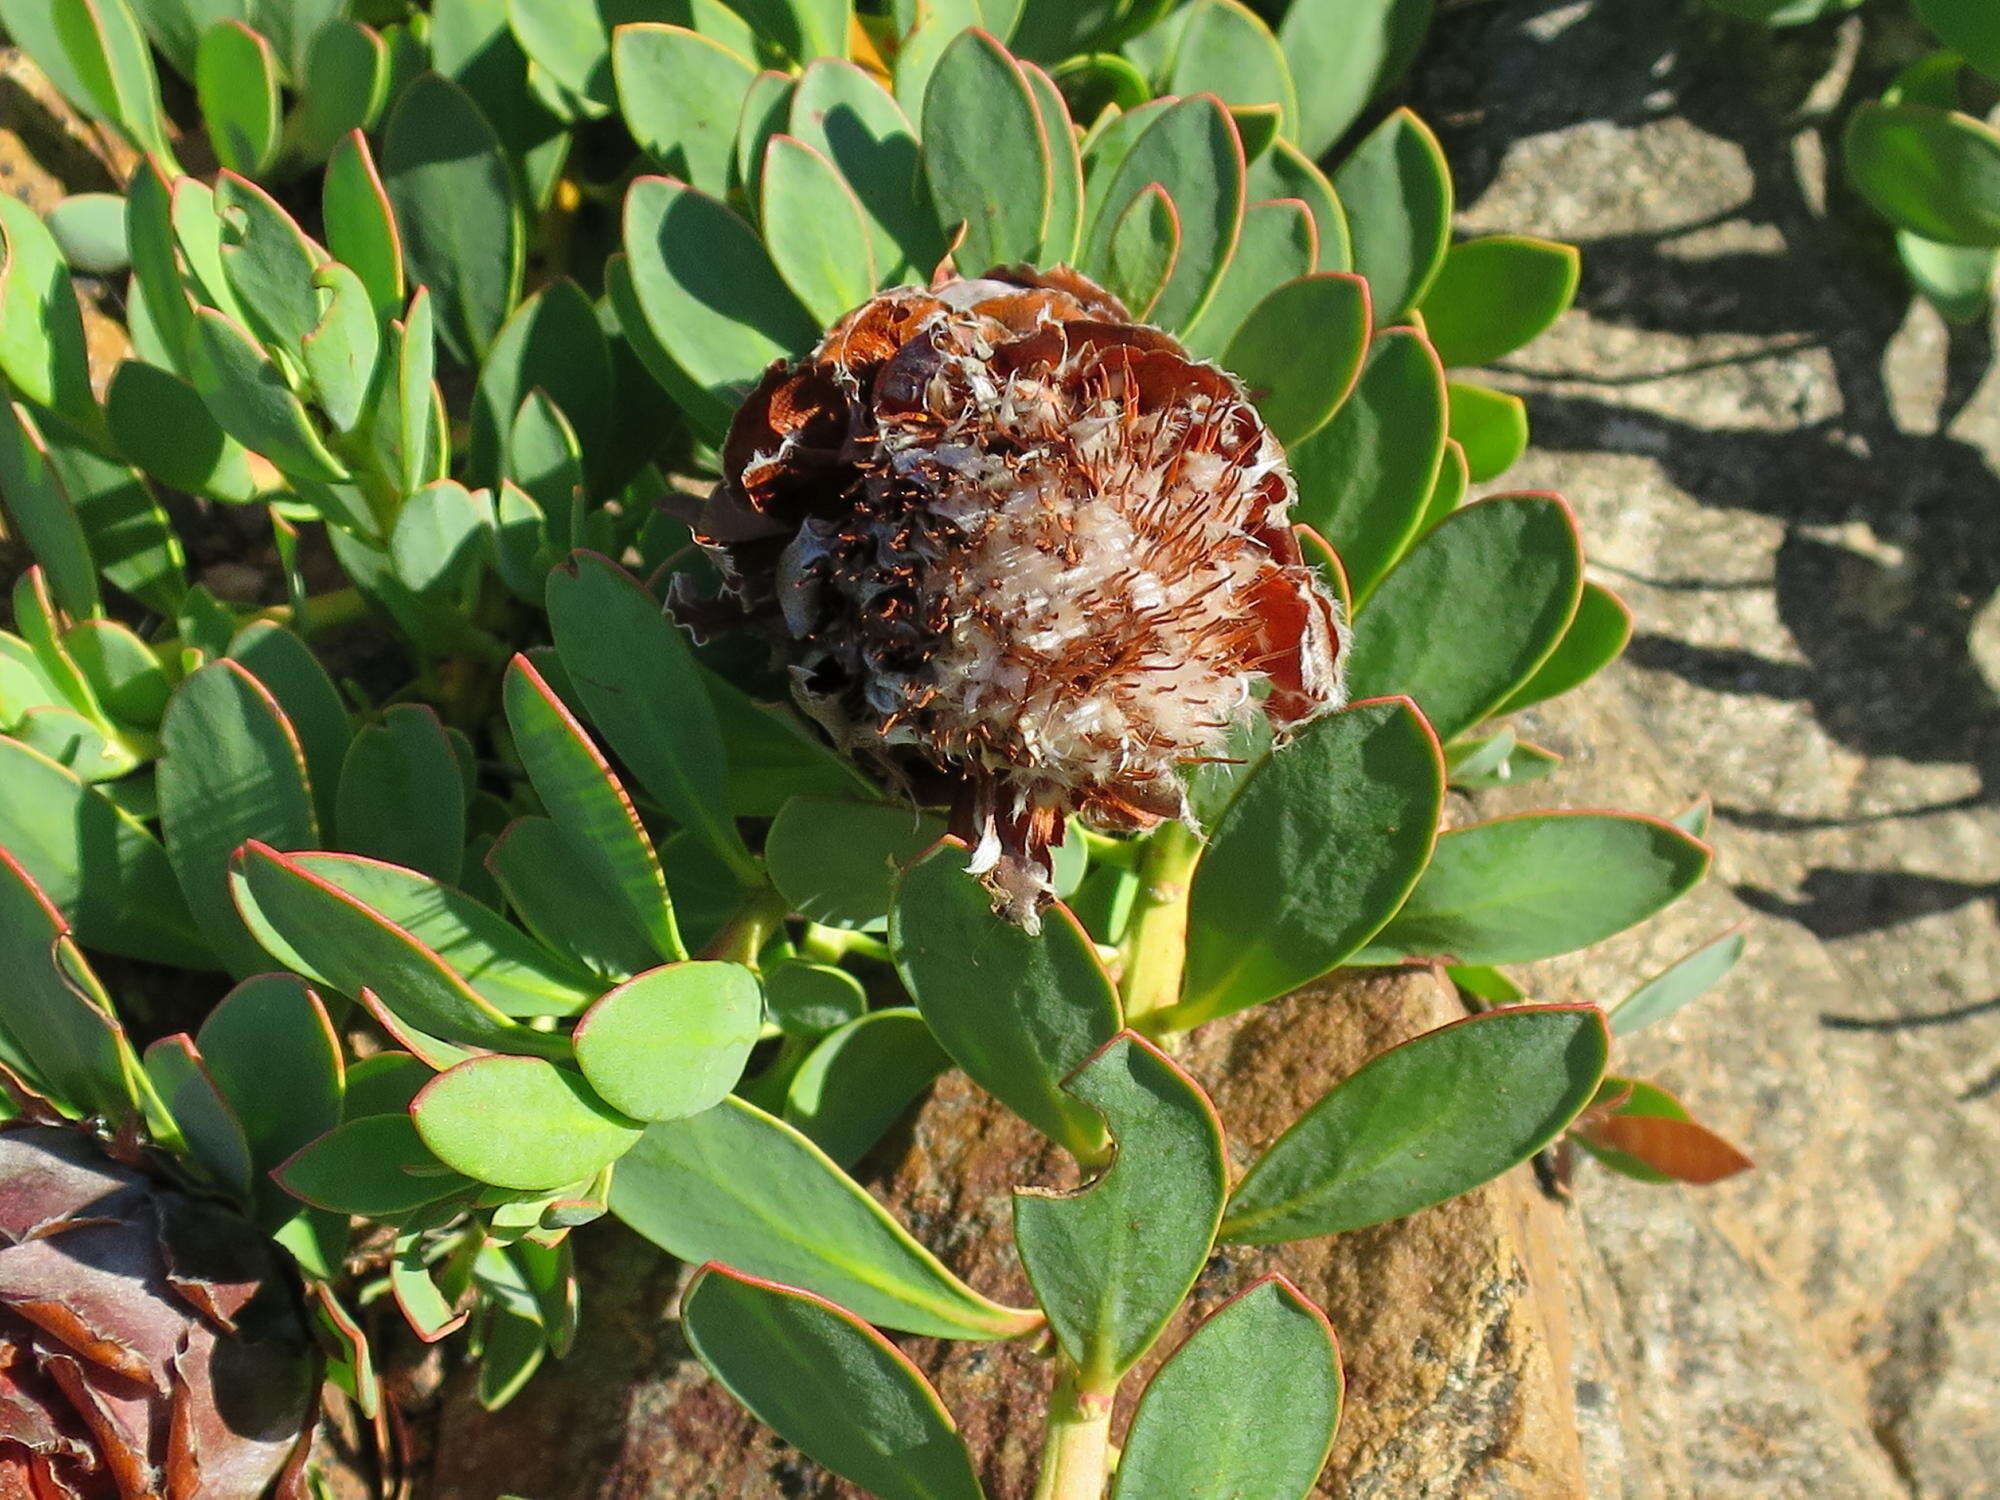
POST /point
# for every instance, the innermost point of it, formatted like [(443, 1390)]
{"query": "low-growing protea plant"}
[(1135, 549), (1018, 545)]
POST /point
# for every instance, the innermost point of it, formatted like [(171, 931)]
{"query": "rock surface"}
[(1787, 470), (1453, 1325)]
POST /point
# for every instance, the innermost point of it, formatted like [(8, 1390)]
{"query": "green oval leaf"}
[(566, 902), (161, 425), (589, 806), (231, 770), (848, 117), (1365, 478), (251, 402), (1934, 172), (734, 1185), (272, 1053), (1279, 244), (53, 1031), (1667, 991), (327, 934), (448, 177), (41, 323), (1191, 147), (360, 225), (290, 672), (1396, 189), (512, 972), (673, 1041), (1532, 886), (89, 230), (1248, 1405), (815, 230), (1145, 243), (681, 93), (1343, 53), (707, 289), (44, 513), (1313, 856), (376, 1165), (1495, 294), (214, 1135), (636, 674), (985, 155), (1285, 172), (551, 343), (1489, 427), (861, 1077), (236, 82), (1468, 617), (1596, 635), (1423, 1122), (1300, 352), (99, 866), (1018, 1011), (520, 1122), (402, 799), (829, 1385), (1112, 1263)]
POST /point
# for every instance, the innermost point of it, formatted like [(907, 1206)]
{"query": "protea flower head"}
[(150, 1342), (1026, 556)]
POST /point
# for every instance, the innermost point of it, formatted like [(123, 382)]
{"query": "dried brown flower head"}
[(1012, 540), (150, 1342)]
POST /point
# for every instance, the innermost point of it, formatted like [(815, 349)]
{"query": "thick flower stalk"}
[(150, 1343), (1027, 557)]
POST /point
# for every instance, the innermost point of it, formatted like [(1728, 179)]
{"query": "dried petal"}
[(57, 1178), (150, 1343), (1023, 553)]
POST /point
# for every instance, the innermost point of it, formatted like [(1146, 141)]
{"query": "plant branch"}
[(1076, 1453), (1154, 948), (743, 936)]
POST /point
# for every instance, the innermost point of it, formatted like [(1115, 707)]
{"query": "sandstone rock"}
[(1786, 469)]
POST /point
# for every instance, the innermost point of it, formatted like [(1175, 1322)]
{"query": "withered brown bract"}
[(1025, 555)]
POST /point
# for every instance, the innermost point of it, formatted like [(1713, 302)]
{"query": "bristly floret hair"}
[(1023, 555)]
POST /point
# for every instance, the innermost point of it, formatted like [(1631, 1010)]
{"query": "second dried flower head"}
[(1024, 555)]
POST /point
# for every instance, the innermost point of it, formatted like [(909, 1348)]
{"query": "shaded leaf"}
[(829, 1385), (1111, 1263), (1018, 1011)]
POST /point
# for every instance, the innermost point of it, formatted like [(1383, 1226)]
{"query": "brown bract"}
[(150, 1342), (1024, 555)]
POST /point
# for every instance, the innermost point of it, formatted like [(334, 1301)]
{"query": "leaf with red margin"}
[(1531, 886), (1248, 1405), (1018, 1011), (829, 1385), (1111, 1263), (1323, 843), (1423, 1122), (588, 804), (349, 947)]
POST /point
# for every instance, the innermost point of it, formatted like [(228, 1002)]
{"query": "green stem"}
[(1076, 1453), (328, 611), (830, 945), (744, 935), (1154, 948)]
